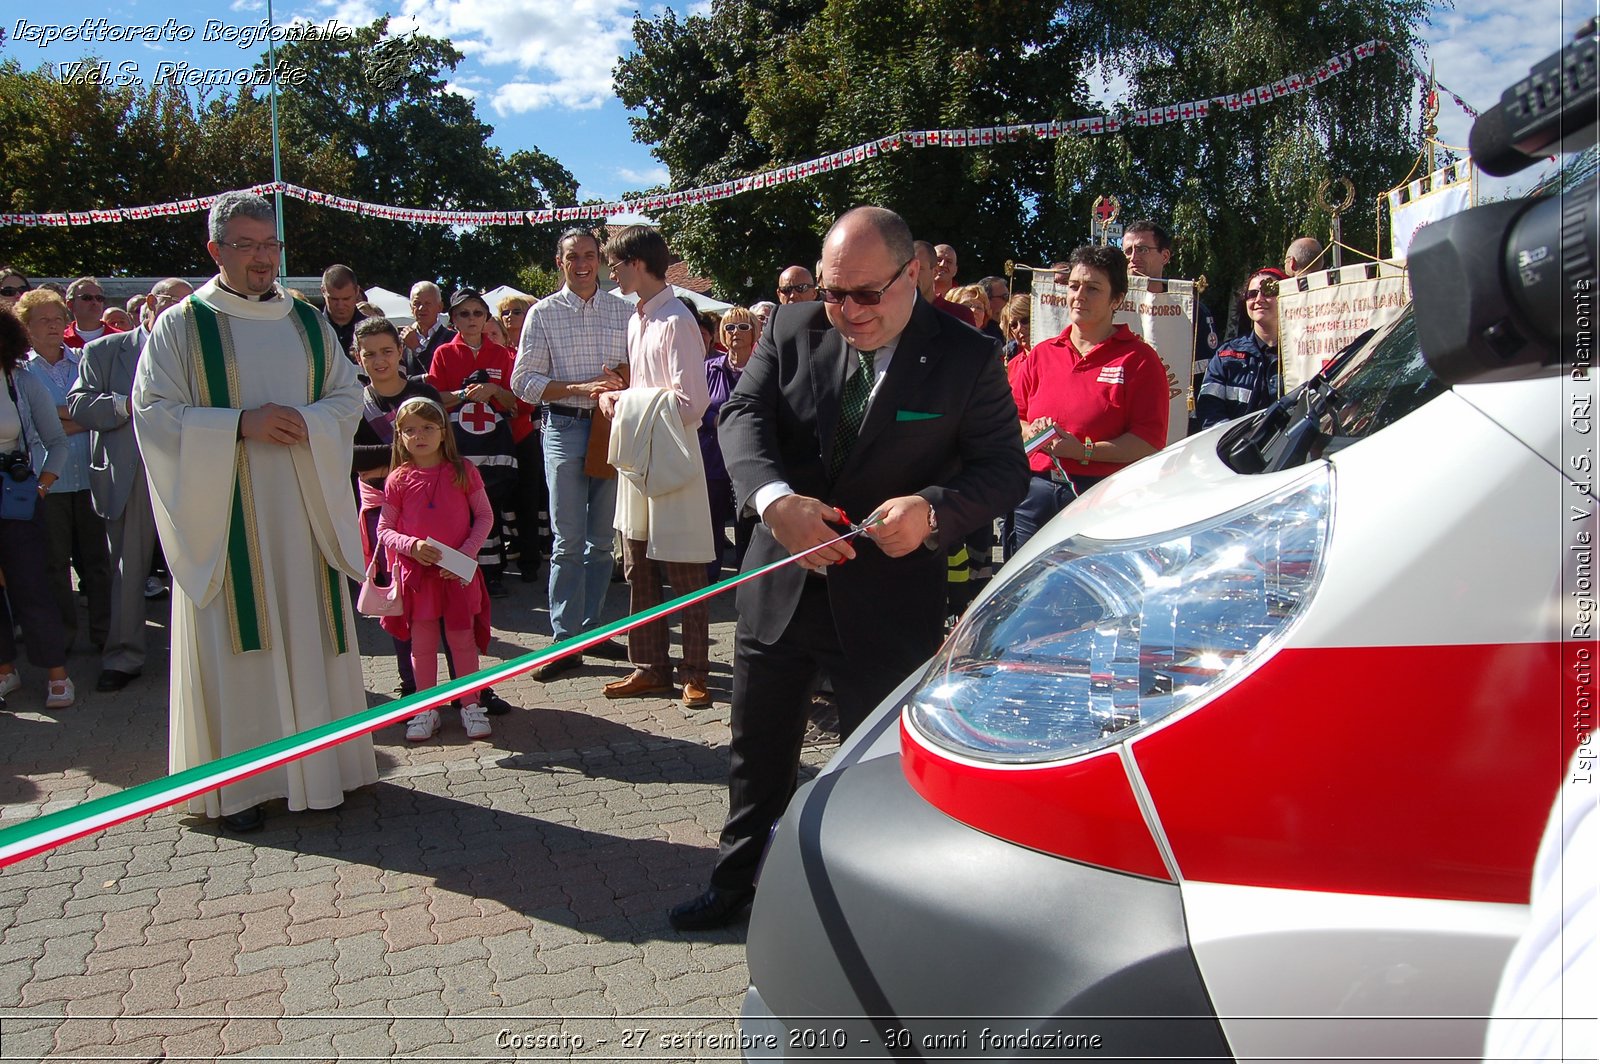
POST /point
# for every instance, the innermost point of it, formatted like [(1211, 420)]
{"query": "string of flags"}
[(974, 137)]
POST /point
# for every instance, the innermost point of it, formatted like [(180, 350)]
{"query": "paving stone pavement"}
[(496, 900)]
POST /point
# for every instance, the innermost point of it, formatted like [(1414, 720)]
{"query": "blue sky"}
[(540, 70)]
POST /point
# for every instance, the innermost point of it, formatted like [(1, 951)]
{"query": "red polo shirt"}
[(1120, 386)]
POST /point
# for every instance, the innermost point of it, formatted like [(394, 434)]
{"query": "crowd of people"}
[(282, 454)]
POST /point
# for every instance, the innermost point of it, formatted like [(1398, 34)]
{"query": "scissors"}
[(853, 529)]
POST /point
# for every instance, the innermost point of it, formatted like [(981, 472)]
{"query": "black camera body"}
[(16, 466), (1505, 287)]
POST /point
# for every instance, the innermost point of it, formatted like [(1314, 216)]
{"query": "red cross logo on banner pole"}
[(478, 418)]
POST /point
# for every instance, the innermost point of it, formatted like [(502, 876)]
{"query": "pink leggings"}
[(425, 655)]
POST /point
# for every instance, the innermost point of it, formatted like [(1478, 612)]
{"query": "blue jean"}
[(581, 511)]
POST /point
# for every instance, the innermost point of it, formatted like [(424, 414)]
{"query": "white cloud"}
[(1479, 48), (460, 90), (656, 175), (562, 50), (248, 6)]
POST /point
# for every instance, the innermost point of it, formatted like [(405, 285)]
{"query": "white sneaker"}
[(9, 682), (476, 721), (422, 726), (61, 694)]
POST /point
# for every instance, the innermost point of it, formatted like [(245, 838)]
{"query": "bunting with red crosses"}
[(972, 137)]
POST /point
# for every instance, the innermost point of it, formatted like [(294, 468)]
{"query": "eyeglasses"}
[(250, 247), (1268, 290), (89, 297), (1140, 249), (737, 326), (8, 291), (866, 297), (796, 289), (469, 312)]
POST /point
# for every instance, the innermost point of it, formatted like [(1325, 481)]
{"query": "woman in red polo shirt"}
[(1103, 388)]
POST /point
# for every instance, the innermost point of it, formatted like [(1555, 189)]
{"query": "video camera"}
[(1503, 287)]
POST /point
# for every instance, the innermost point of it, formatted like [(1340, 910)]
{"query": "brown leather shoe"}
[(695, 695), (638, 682)]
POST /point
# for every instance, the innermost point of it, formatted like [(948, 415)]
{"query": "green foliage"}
[(753, 86), (538, 281), (390, 135)]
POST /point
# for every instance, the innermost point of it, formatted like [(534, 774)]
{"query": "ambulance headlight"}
[(1096, 639)]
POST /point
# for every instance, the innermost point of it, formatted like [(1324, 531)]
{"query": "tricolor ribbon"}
[(45, 832)]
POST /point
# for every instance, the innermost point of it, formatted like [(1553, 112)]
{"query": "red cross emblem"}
[(1105, 210), (477, 418)]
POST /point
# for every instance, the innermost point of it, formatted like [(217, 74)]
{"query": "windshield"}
[(1372, 384), (1383, 383)]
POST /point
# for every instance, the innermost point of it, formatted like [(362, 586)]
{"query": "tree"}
[(382, 132), (751, 87), (402, 138)]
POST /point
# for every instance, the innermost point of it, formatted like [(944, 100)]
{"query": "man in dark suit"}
[(938, 452), (99, 402)]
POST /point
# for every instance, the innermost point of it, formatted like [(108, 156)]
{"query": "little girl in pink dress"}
[(433, 492)]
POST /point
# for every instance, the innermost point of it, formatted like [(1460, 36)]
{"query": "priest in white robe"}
[(245, 411)]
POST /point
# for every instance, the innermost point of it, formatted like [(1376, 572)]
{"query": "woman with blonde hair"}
[(738, 331), (1016, 323), (975, 299)]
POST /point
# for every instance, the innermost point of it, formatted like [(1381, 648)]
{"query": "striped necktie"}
[(852, 410)]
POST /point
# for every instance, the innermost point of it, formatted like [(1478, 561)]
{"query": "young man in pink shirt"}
[(665, 351)]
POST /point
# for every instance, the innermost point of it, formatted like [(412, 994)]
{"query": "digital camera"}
[(16, 466)]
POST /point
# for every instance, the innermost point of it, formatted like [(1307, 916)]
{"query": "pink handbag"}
[(375, 599)]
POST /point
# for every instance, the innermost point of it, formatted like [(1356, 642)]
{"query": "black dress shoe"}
[(551, 669), (497, 587), (493, 704), (114, 680), (245, 822), (714, 908), (611, 650)]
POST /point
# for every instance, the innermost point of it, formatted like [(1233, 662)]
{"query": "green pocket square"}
[(914, 415)]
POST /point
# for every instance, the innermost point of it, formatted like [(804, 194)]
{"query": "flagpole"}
[(277, 167)]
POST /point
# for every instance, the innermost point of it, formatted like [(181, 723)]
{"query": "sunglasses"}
[(85, 297), (737, 326), (8, 291), (864, 297), (795, 289), (1268, 290)]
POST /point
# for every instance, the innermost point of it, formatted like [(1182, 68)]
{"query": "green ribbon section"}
[(173, 787), (241, 587)]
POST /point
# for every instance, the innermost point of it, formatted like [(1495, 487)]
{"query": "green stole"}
[(216, 372)]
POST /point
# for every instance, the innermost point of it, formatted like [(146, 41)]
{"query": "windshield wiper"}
[(1285, 433)]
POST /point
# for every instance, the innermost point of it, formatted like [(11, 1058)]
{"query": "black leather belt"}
[(582, 413)]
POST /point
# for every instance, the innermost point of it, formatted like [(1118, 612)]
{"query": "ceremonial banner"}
[(1335, 307), (1442, 193), (1165, 321)]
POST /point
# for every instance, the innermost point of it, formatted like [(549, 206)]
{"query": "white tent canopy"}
[(395, 307), (494, 295), (716, 306)]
